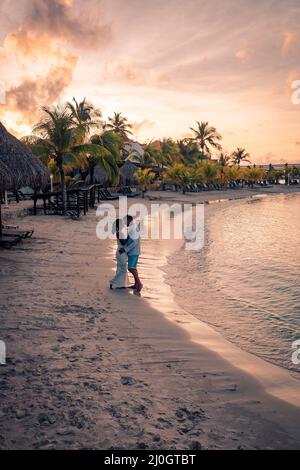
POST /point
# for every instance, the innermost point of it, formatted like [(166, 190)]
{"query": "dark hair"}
[(117, 224), (129, 218)]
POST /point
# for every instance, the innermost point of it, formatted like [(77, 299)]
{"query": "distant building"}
[(133, 151)]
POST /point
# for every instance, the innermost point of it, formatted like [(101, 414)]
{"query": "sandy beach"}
[(90, 368)]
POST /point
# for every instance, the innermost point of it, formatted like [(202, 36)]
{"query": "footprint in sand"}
[(141, 410), (189, 419), (163, 424), (127, 381)]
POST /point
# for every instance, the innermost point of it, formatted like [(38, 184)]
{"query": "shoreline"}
[(91, 368), (276, 380), (208, 197)]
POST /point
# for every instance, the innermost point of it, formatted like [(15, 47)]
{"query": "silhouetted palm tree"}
[(240, 155), (224, 159), (207, 138), (170, 152), (119, 124), (189, 151), (84, 115)]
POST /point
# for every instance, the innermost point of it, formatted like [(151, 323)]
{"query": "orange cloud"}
[(28, 43), (49, 23), (40, 45), (145, 123), (56, 19), (32, 93)]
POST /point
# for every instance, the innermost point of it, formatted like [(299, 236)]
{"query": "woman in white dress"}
[(120, 280)]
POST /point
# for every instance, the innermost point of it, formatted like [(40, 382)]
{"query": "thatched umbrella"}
[(5, 179), (127, 172), (100, 175), (5, 183), (25, 168)]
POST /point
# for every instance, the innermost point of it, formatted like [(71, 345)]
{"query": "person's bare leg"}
[(137, 282)]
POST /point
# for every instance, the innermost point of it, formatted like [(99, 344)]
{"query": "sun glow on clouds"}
[(163, 64)]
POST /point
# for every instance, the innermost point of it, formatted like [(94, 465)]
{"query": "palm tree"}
[(255, 175), (110, 143), (108, 139), (189, 151), (208, 171), (144, 177), (88, 161), (119, 124), (85, 115), (232, 173), (207, 138), (177, 174), (57, 139), (170, 152), (224, 159), (240, 155), (151, 156)]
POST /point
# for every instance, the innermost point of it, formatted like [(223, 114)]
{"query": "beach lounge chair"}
[(16, 232), (105, 197), (127, 191), (8, 242), (109, 195)]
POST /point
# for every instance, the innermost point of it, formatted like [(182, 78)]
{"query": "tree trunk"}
[(0, 220), (63, 189), (92, 171)]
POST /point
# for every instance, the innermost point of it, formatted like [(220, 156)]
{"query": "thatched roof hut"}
[(100, 175), (126, 173), (25, 168), (5, 183), (5, 179)]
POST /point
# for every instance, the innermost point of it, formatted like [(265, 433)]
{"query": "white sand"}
[(91, 368)]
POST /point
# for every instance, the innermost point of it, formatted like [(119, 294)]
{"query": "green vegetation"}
[(144, 178), (73, 139)]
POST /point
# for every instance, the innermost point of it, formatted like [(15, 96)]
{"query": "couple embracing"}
[(128, 252)]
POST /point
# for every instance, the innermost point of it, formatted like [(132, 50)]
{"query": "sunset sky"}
[(162, 63)]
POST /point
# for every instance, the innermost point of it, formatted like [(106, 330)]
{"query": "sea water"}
[(245, 282)]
